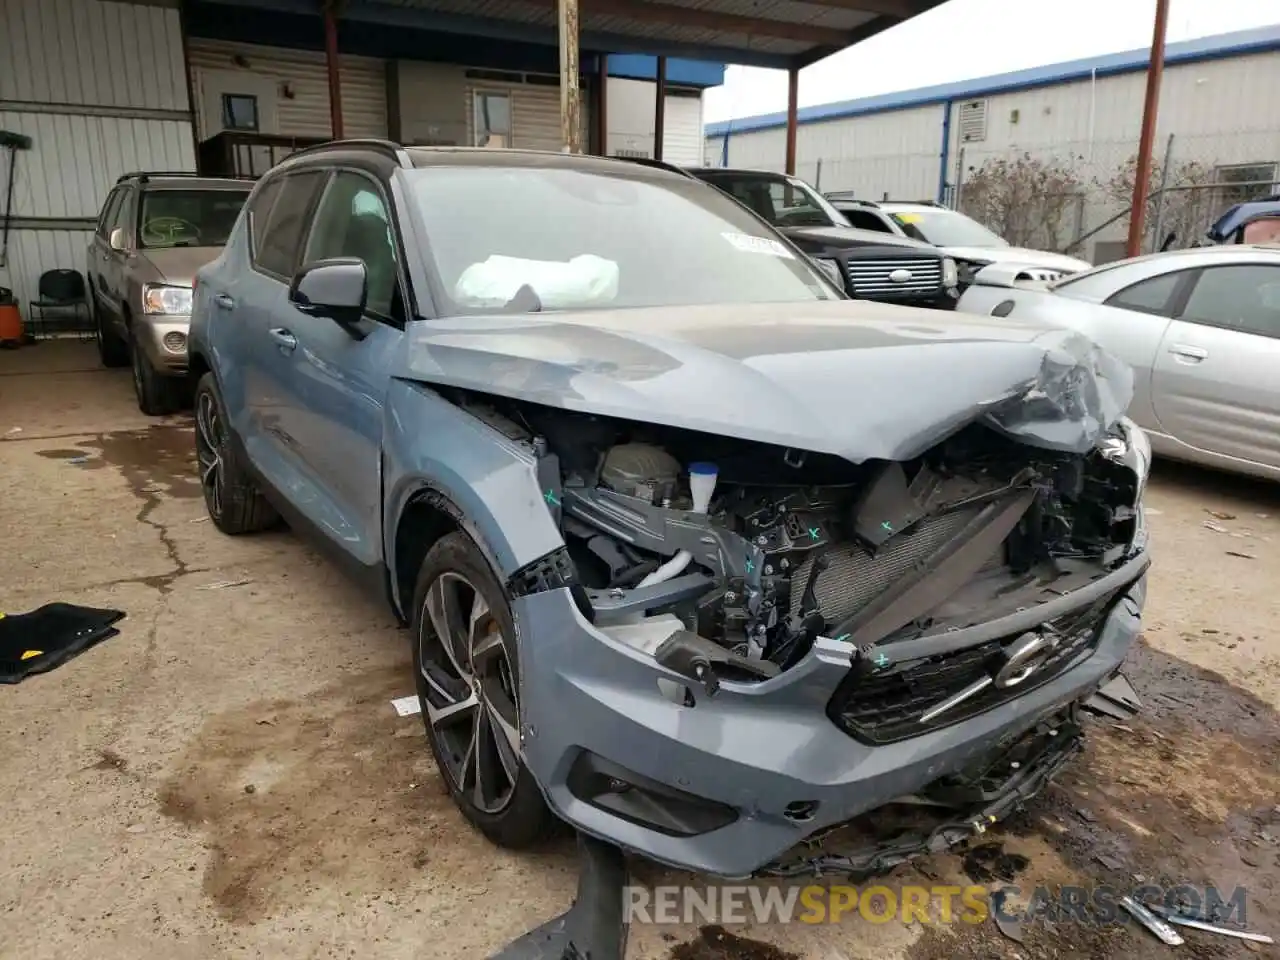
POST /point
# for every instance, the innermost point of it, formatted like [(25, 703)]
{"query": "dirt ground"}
[(227, 778)]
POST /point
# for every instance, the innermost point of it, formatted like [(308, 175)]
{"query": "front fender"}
[(430, 444)]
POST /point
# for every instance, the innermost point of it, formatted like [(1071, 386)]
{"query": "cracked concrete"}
[(226, 778)]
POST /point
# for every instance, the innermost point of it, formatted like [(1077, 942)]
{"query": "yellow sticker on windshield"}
[(908, 218)]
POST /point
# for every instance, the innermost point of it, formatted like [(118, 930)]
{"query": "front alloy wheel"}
[(471, 699), (467, 670)]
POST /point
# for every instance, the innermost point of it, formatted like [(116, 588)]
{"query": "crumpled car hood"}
[(855, 379)]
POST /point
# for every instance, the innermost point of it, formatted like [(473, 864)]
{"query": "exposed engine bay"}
[(761, 549)]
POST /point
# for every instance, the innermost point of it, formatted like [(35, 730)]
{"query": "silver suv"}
[(154, 232)]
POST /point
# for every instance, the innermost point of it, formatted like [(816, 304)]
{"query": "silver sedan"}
[(1201, 329)]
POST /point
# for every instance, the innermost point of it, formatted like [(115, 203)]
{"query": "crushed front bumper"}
[(727, 784)]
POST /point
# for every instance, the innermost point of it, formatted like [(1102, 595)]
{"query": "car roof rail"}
[(846, 196), (657, 164), (145, 175), (918, 203), (388, 147)]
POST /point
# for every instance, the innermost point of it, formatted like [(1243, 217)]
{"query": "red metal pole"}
[(331, 61), (1146, 143), (660, 109), (793, 106)]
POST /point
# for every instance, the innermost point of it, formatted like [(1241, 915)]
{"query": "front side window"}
[(492, 118), (107, 217), (580, 239), (278, 250), (946, 228), (188, 218), (1243, 297), (1148, 296), (866, 220), (351, 221)]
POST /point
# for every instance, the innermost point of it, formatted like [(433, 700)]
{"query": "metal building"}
[(1064, 135)]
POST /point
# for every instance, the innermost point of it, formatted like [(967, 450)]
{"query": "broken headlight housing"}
[(1131, 447)]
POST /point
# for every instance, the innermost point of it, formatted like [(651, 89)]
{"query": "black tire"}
[(112, 351), (522, 819), (233, 500), (157, 394)]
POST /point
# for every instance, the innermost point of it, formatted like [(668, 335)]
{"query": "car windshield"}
[(946, 228), (530, 238), (783, 201), (188, 218)]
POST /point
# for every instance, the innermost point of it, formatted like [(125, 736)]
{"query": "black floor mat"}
[(38, 641)]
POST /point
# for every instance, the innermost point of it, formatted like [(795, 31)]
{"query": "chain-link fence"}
[(1070, 196)]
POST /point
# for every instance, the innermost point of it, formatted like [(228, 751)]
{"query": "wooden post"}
[(1146, 142), (570, 92), (660, 108), (331, 62), (602, 106), (793, 106)]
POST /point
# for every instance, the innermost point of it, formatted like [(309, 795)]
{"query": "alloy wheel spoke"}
[(506, 742), (454, 713), (446, 619)]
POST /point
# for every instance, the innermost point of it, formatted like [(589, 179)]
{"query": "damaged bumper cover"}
[(726, 784)]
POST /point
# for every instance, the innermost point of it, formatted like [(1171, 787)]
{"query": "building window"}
[(239, 111), (492, 119), (1244, 181)]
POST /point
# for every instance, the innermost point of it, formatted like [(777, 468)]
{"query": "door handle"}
[(1189, 354), (285, 340), (224, 301)]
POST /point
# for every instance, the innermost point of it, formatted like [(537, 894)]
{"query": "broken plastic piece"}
[(1162, 930), (1116, 699), (1197, 924)]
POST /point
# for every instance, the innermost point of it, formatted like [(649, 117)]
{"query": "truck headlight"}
[(832, 269), (167, 299), (950, 273)]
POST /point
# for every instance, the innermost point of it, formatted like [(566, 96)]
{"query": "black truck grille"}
[(887, 279), (886, 706)]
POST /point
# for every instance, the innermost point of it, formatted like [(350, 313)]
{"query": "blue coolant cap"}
[(703, 470)]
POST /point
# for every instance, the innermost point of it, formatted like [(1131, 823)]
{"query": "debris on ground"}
[(1219, 515), (224, 584), (1158, 927), (1196, 923)]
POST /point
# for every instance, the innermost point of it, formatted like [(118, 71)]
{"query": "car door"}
[(1131, 324), (1215, 382), (337, 381), (100, 251), (265, 354)]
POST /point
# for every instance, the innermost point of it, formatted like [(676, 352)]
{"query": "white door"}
[(237, 100)]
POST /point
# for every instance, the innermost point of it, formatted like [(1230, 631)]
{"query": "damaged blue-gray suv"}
[(697, 554)]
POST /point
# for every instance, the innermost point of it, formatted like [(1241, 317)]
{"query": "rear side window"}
[(1243, 297), (1148, 296), (865, 220), (278, 251)]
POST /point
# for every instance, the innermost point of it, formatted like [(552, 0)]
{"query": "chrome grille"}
[(871, 278)]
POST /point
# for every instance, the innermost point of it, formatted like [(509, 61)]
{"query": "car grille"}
[(884, 706), (871, 278)]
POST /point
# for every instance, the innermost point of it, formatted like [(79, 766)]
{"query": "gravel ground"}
[(226, 778)]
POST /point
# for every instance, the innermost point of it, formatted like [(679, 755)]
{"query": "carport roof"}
[(768, 33)]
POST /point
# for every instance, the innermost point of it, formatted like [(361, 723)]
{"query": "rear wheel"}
[(157, 395), (233, 500), (112, 351), (467, 672)]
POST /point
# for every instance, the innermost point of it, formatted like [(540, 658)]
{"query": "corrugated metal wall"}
[(630, 113), (72, 79), (306, 113)]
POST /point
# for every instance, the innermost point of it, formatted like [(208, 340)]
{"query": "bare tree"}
[(1027, 200), (1185, 212)]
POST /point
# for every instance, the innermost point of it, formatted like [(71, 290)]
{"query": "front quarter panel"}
[(433, 445)]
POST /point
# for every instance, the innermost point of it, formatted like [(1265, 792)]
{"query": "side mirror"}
[(116, 240), (337, 289)]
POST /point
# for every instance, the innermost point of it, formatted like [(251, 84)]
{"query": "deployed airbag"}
[(584, 281)]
